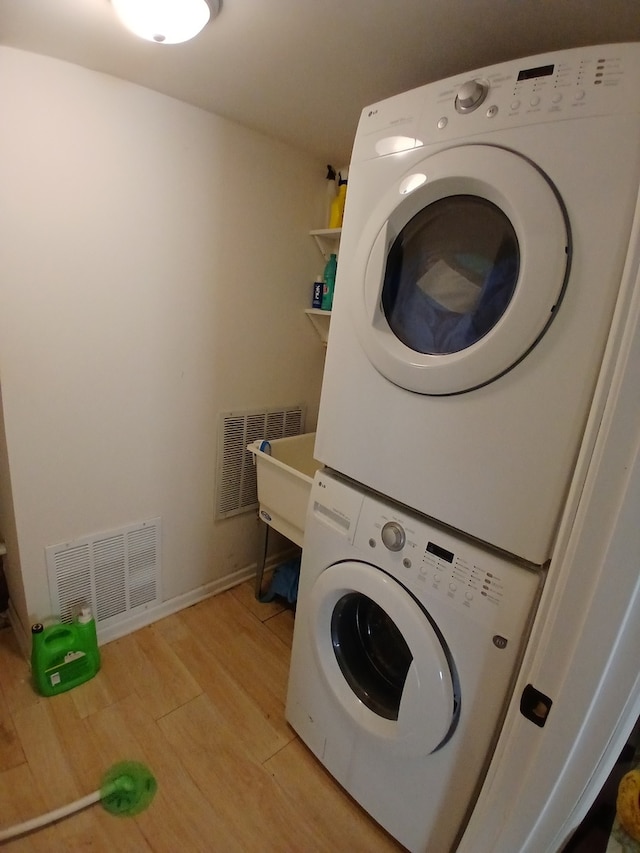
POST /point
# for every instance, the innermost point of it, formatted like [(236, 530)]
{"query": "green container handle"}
[(61, 633)]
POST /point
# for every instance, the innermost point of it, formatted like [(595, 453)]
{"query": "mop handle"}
[(50, 817)]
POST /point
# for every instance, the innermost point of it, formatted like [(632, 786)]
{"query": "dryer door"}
[(460, 269), (383, 658)]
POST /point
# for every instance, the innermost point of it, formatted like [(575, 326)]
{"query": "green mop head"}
[(127, 788)]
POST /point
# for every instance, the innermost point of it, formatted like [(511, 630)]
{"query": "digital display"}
[(532, 73), (440, 552)]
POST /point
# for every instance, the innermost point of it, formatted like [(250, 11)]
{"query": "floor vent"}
[(115, 572), (236, 488)]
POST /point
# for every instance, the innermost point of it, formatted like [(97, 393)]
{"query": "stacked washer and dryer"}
[(487, 225)]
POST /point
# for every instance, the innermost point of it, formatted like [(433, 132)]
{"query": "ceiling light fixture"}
[(166, 21)]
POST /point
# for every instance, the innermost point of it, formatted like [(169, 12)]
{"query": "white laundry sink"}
[(284, 482)]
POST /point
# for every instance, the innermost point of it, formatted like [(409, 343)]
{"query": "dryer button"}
[(470, 95)]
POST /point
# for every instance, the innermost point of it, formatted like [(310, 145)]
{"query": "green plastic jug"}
[(63, 656)]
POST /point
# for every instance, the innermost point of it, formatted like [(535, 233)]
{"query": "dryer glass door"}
[(450, 274), (459, 270)]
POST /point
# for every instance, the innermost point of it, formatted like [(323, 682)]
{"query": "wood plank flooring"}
[(199, 698)]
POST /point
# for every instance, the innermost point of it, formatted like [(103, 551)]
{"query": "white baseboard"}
[(24, 641), (146, 616), (158, 611)]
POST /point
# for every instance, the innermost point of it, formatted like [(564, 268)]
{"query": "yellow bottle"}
[(337, 205)]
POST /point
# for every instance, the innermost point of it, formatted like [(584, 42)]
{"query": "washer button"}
[(556, 98), (393, 536), (515, 105), (492, 111), (579, 95), (442, 123), (535, 101)]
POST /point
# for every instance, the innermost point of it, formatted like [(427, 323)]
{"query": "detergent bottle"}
[(63, 656), (329, 283)]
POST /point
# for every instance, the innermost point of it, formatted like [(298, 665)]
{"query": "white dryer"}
[(405, 648), (486, 229)]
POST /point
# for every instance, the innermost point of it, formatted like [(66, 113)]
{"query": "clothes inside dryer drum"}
[(450, 275)]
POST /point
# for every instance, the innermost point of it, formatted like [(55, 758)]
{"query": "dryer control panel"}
[(562, 85)]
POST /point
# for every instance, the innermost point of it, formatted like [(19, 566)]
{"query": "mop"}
[(127, 789)]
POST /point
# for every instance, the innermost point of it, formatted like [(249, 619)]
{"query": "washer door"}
[(459, 270), (383, 658)]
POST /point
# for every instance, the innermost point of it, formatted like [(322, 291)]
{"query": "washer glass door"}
[(383, 658), (371, 652), (459, 269)]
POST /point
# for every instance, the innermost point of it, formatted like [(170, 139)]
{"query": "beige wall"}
[(155, 266)]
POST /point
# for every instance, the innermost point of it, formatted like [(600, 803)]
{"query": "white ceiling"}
[(302, 70)]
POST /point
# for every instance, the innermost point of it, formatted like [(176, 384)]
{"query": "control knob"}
[(470, 95), (393, 536)]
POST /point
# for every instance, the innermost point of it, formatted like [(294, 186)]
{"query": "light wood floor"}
[(199, 698)]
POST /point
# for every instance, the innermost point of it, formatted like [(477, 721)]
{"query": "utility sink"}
[(284, 482)]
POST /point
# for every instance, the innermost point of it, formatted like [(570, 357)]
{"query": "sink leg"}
[(262, 557)]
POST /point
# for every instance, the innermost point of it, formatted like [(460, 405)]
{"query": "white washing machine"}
[(405, 647), (486, 228)]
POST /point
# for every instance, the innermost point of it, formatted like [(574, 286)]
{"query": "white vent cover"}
[(115, 573), (236, 486)]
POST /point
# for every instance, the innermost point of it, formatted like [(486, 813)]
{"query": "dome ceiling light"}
[(166, 21)]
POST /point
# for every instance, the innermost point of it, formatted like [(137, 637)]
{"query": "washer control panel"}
[(393, 536), (431, 561), (345, 522)]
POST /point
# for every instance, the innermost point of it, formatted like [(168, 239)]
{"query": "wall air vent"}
[(116, 573), (236, 487)]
